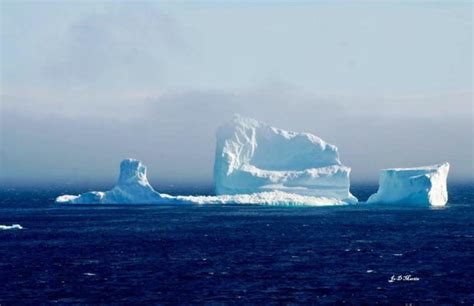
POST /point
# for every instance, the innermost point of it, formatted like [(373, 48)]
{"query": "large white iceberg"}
[(253, 157), (255, 164), (133, 188), (421, 185)]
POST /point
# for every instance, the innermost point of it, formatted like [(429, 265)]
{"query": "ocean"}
[(220, 254)]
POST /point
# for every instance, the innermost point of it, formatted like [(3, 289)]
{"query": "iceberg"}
[(254, 164), (418, 186), (253, 157), (133, 188)]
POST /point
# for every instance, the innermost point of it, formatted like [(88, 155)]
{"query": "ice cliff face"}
[(422, 186), (253, 157)]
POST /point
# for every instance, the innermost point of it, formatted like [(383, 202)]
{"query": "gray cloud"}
[(175, 136), (86, 84), (101, 46), (115, 47)]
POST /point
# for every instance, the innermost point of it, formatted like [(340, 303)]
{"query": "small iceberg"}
[(132, 188), (417, 186), (10, 227)]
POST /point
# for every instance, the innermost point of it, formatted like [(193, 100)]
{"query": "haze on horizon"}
[(85, 84)]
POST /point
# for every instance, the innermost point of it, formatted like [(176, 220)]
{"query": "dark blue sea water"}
[(235, 254)]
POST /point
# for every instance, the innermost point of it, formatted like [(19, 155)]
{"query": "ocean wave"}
[(11, 227)]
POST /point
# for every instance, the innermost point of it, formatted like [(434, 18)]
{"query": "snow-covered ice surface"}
[(133, 188), (421, 185), (253, 157), (10, 227)]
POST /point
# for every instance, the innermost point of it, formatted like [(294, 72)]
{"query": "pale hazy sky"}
[(85, 84)]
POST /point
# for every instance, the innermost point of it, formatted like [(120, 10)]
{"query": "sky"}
[(85, 84)]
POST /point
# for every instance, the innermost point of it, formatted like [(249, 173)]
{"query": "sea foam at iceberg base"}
[(133, 188), (417, 186)]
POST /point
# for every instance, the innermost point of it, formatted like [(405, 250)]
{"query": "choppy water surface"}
[(241, 254)]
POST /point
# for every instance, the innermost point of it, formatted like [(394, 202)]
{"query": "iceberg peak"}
[(132, 171)]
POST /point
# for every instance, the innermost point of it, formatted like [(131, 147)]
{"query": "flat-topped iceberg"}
[(133, 188), (421, 185), (253, 157)]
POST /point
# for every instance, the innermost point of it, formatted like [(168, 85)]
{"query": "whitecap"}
[(10, 227)]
